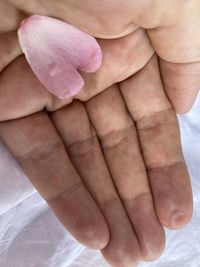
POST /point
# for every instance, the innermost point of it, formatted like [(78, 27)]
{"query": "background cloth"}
[(31, 236)]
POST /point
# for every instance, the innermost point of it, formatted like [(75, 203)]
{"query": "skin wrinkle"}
[(97, 18), (141, 195), (162, 156), (39, 153), (118, 137), (87, 145), (157, 118), (66, 191), (155, 168), (130, 28)]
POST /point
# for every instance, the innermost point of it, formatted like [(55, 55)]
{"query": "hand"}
[(27, 139)]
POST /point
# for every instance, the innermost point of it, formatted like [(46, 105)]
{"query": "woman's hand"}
[(95, 158)]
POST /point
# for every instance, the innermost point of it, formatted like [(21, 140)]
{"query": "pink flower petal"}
[(55, 51)]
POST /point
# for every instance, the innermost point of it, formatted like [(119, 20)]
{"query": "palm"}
[(87, 156), (173, 27)]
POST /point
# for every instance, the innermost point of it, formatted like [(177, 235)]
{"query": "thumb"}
[(181, 82)]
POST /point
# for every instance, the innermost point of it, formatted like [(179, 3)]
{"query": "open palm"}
[(105, 159)]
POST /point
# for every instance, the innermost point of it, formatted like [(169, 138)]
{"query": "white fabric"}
[(31, 236)]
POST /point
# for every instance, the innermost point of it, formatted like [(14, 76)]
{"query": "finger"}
[(23, 94), (181, 83), (74, 127), (119, 142), (9, 48), (116, 66), (159, 137), (35, 143), (10, 17), (177, 43)]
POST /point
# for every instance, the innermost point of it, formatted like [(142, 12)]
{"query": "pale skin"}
[(109, 163)]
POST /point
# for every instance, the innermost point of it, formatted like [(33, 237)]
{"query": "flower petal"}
[(56, 51)]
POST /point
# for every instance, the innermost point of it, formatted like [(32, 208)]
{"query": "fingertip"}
[(121, 259), (183, 105), (93, 234), (153, 251), (181, 82), (173, 197), (179, 219), (96, 241)]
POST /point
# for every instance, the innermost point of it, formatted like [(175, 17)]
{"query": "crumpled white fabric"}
[(31, 236)]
